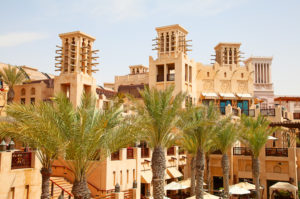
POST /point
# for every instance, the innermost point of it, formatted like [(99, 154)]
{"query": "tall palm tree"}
[(39, 126), (226, 136), (187, 142), (157, 117), (255, 132), (199, 124), (93, 133), (11, 76)]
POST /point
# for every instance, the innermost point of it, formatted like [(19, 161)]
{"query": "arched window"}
[(23, 91), (242, 75), (207, 74), (225, 75), (32, 91)]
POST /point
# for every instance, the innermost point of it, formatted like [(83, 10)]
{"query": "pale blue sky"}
[(124, 30)]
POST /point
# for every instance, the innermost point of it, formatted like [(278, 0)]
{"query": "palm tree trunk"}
[(208, 178), (158, 170), (199, 173), (80, 189), (46, 173), (193, 166), (255, 164), (10, 95), (225, 168)]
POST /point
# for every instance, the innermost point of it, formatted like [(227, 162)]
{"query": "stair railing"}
[(62, 189)]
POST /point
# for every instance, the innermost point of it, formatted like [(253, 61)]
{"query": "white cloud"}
[(17, 38)]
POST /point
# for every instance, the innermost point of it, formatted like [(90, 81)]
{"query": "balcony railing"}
[(130, 154), (145, 153), (21, 160), (160, 78), (217, 152), (267, 112), (279, 152), (170, 77), (241, 151), (115, 155), (252, 112), (296, 116), (171, 151)]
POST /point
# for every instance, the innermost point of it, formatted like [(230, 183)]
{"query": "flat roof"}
[(287, 98), (75, 33), (259, 58), (174, 26), (227, 44)]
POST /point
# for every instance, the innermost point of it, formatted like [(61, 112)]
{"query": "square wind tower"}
[(228, 54)]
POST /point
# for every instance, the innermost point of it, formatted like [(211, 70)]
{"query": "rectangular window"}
[(121, 178), (133, 174), (190, 74), (32, 100), (186, 73), (26, 192), (127, 176), (160, 73), (23, 101)]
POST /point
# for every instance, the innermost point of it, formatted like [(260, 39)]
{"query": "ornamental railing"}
[(241, 151), (21, 160), (279, 152)]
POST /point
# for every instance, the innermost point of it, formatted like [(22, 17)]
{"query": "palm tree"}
[(255, 132), (157, 117), (11, 76), (226, 136), (93, 133), (187, 142), (199, 124), (40, 126)]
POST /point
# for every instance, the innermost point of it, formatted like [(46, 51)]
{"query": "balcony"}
[(130, 153), (21, 160), (170, 77), (115, 156), (267, 112), (160, 78), (278, 152), (171, 151), (242, 151), (145, 153)]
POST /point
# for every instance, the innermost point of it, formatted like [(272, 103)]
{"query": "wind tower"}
[(228, 54), (76, 64), (172, 67)]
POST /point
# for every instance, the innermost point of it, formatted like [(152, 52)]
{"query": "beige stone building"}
[(230, 83)]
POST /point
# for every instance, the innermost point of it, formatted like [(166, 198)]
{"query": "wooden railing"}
[(63, 191), (128, 194), (130, 153), (241, 151), (145, 153), (171, 151), (115, 155), (21, 160), (279, 152)]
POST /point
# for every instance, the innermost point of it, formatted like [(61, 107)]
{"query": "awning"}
[(146, 176), (187, 182), (209, 95), (227, 95), (284, 186), (206, 196), (235, 190), (272, 138), (175, 186), (174, 173), (244, 95), (167, 176)]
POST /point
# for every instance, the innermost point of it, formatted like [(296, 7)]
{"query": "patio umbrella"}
[(175, 186), (206, 196), (272, 138), (246, 185), (187, 182), (235, 190)]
